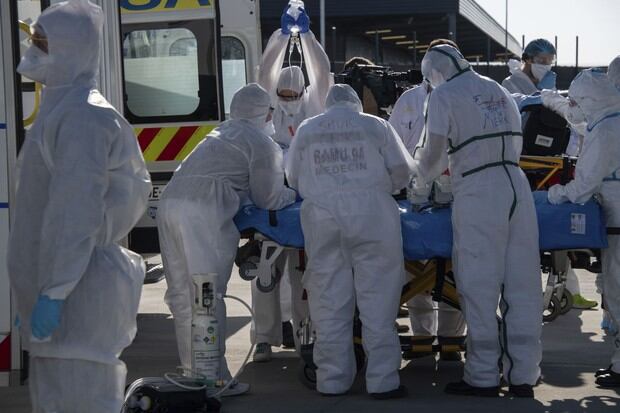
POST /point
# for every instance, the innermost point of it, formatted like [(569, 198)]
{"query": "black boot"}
[(288, 339), (602, 372), (462, 388), (450, 356), (522, 390), (610, 379), (397, 393)]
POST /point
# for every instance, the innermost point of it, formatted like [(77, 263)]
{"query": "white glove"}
[(418, 192), (553, 100), (557, 195)]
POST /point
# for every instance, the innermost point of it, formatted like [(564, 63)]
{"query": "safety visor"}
[(290, 97), (544, 59), (38, 38)]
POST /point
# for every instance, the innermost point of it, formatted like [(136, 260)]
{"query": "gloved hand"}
[(548, 81), (287, 21), (556, 195), (45, 317), (418, 193), (303, 21), (534, 99), (555, 101)]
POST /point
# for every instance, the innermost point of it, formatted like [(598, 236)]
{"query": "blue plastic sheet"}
[(428, 234), (286, 231)]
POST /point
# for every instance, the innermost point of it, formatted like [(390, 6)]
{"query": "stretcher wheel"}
[(154, 273), (307, 375), (553, 310), (267, 288), (566, 302), (244, 270)]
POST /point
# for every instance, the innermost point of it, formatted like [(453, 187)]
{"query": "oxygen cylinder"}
[(205, 329)]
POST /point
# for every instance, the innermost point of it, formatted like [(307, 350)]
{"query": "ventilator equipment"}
[(199, 389)]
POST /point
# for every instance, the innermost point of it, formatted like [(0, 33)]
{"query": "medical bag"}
[(545, 133)]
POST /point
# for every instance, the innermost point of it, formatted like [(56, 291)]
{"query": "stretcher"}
[(427, 234), (427, 249)]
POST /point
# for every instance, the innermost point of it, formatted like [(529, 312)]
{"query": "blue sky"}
[(596, 22)]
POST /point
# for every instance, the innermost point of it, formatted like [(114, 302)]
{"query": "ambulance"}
[(170, 66)]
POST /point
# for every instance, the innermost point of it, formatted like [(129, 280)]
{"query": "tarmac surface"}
[(574, 348)]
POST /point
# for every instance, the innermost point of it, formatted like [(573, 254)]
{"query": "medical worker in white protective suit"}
[(236, 164), (293, 102), (82, 185), (346, 165), (407, 118), (495, 252), (595, 98), (534, 73), (533, 82)]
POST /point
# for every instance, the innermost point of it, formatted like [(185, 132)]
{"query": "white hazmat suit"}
[(236, 163), (495, 253), (346, 165), (273, 79), (614, 72), (521, 86), (407, 118), (598, 173), (82, 186), (287, 117)]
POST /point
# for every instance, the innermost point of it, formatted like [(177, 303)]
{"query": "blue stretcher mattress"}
[(428, 234)]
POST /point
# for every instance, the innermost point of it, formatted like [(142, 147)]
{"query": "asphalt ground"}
[(574, 348)]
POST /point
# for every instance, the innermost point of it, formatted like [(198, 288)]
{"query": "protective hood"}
[(292, 78), (74, 29), (441, 63), (614, 72), (341, 95), (595, 94), (251, 103)]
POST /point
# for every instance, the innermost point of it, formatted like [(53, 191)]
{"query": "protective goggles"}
[(290, 98)]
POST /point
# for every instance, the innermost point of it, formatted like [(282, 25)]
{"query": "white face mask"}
[(575, 115), (269, 129), (581, 128), (539, 71), (34, 64), (291, 108), (436, 79)]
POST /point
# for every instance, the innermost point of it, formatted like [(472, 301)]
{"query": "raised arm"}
[(272, 61), (318, 69)]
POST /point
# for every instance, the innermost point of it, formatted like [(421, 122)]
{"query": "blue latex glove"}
[(534, 99), (547, 82), (45, 317), (303, 21), (18, 321), (286, 21)]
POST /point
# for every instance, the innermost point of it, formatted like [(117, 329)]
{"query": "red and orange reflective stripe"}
[(170, 143)]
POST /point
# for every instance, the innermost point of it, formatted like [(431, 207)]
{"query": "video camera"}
[(385, 85)]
